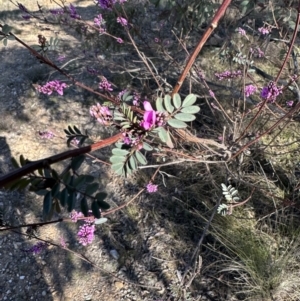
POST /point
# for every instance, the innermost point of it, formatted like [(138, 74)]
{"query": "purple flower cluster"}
[(73, 13), (101, 113), (86, 234), (132, 141), (105, 85), (46, 134), (36, 249), (122, 21), (151, 187), (51, 86), (99, 21), (264, 30), (75, 216), (271, 92), (151, 118), (106, 4), (228, 74), (122, 93), (249, 90), (136, 98), (211, 93), (241, 31)]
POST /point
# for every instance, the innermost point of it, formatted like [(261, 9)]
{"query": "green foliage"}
[(125, 162), (61, 189)]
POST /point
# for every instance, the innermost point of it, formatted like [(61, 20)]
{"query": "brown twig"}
[(213, 25), (44, 163)]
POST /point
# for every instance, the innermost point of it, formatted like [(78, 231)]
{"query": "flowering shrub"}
[(150, 126)]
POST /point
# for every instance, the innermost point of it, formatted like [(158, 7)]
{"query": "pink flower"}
[(290, 103), (51, 86), (101, 113), (149, 116), (75, 215), (211, 93), (122, 21), (271, 92), (241, 31), (105, 85), (151, 187), (119, 40), (86, 234), (46, 134), (249, 90), (264, 30)]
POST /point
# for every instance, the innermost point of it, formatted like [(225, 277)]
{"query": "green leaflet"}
[(185, 117), (189, 100), (178, 124), (190, 110), (177, 100)]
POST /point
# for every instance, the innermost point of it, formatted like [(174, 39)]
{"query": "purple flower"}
[(26, 17), (126, 139), (63, 242), (249, 90), (51, 86), (122, 21), (122, 93), (241, 31), (105, 85), (119, 40), (211, 93), (46, 134), (106, 4), (271, 92), (149, 116), (73, 13), (36, 249), (101, 113), (86, 234), (60, 58), (99, 21), (136, 98), (264, 30), (156, 40), (75, 215), (290, 103), (151, 187), (228, 74)]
